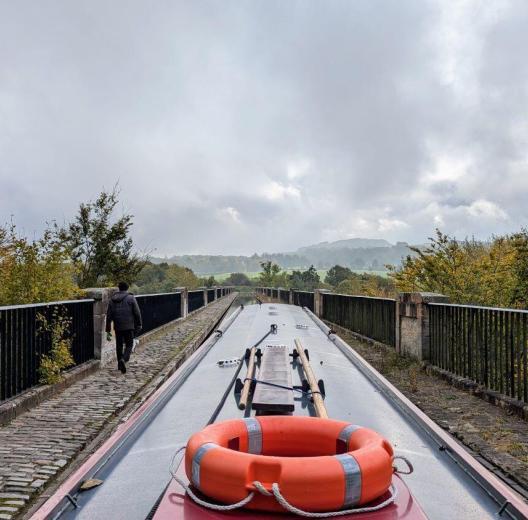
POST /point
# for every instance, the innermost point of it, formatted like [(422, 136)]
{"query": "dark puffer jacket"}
[(123, 310)]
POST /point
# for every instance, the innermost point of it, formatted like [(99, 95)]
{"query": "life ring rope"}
[(292, 509), (410, 467), (275, 491)]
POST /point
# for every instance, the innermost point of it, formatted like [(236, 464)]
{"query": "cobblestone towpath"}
[(38, 445)]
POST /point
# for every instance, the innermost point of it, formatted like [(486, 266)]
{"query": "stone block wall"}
[(412, 323), (103, 349)]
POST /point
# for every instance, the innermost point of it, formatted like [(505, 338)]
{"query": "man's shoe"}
[(121, 365)]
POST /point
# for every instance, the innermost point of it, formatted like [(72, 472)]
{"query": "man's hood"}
[(119, 296)]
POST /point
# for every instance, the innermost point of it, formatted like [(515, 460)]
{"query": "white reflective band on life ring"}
[(254, 432), (352, 479), (346, 432), (202, 450)]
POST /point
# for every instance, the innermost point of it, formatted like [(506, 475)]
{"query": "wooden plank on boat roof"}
[(274, 368)]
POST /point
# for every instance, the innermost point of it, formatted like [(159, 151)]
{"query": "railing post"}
[(205, 292), (101, 296), (184, 301), (318, 302), (291, 299), (412, 323)]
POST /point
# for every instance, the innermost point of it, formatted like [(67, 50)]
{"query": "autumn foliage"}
[(489, 273), (33, 271)]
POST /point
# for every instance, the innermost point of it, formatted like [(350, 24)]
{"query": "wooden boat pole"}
[(244, 396), (320, 408)]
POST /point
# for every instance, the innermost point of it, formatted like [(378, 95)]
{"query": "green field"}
[(220, 277)]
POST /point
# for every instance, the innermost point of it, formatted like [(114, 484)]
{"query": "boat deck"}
[(136, 470)]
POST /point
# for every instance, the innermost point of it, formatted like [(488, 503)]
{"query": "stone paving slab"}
[(38, 444)]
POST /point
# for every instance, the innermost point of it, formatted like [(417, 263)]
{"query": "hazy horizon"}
[(235, 128), (270, 252)]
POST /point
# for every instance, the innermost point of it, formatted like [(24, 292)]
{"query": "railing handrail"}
[(157, 294), (45, 304), (506, 309), (336, 294), (63, 302), (361, 296)]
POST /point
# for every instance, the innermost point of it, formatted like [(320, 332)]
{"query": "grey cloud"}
[(199, 108)]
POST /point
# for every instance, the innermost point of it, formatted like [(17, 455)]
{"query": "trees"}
[(209, 282), (346, 281), (311, 278), (296, 280), (272, 276), (161, 278), (239, 279), (492, 273), (34, 271), (101, 247), (350, 285), (337, 274), (377, 286), (520, 269), (305, 280), (367, 285), (92, 250), (269, 274)]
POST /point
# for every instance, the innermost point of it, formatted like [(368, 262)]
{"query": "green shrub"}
[(60, 356)]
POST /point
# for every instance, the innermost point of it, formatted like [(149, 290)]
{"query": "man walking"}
[(123, 310)]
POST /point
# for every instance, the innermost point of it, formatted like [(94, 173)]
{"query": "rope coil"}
[(275, 492)]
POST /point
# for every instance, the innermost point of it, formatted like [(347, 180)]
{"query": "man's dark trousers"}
[(126, 337)]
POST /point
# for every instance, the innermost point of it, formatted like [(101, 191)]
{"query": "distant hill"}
[(356, 253), (351, 243), (211, 264)]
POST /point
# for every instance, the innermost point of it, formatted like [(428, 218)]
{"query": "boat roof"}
[(136, 472)]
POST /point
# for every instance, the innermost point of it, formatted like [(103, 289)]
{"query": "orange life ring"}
[(319, 464)]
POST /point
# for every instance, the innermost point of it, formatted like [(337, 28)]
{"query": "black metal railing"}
[(218, 293), (196, 300), (304, 299), (159, 309), (284, 296), (484, 344), (373, 318), (24, 340), (211, 295)]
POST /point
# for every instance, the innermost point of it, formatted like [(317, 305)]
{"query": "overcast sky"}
[(243, 126)]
